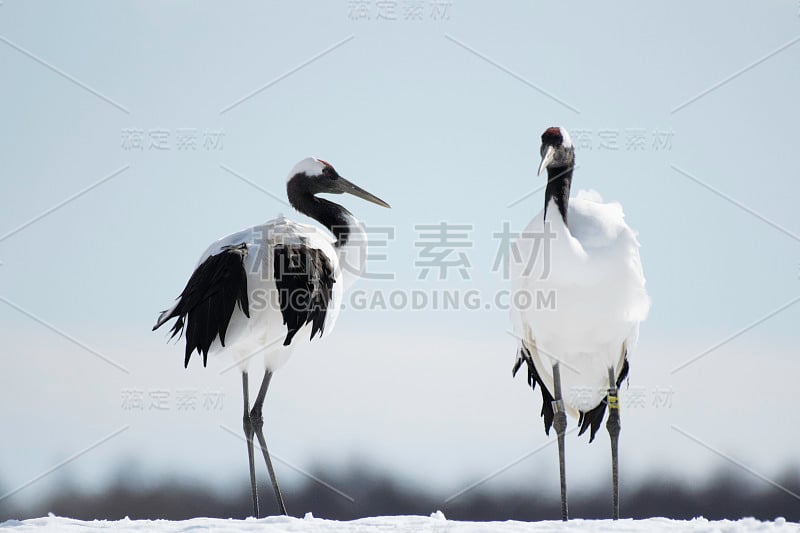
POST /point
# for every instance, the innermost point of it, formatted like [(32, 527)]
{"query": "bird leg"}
[(614, 427), (248, 433), (257, 419), (560, 424)]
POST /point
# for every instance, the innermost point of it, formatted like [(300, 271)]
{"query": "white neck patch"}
[(566, 139), (310, 166)]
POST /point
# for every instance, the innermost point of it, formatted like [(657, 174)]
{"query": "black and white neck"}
[(558, 157), (559, 180), (350, 234), (313, 176), (301, 190)]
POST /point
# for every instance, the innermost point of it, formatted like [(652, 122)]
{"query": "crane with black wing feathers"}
[(581, 251), (266, 288)]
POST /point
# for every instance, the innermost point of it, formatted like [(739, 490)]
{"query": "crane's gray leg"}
[(258, 423), (614, 427), (560, 424), (248, 433)]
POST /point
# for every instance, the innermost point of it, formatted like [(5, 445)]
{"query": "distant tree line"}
[(724, 496)]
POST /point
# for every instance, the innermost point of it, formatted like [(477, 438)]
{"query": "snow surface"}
[(436, 523)]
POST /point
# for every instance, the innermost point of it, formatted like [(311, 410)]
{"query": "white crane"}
[(266, 288), (580, 257)]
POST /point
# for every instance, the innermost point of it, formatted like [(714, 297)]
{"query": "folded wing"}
[(206, 305)]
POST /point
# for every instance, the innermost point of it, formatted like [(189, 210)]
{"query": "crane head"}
[(319, 177), (556, 150)]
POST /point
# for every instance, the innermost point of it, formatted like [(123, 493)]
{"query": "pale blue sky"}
[(441, 117)]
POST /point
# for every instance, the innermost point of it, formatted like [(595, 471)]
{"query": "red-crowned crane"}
[(264, 289), (580, 254)]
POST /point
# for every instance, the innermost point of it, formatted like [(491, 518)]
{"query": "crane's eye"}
[(328, 171)]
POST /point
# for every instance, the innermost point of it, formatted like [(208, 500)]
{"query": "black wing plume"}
[(304, 278), (206, 305), (589, 419), (533, 379), (594, 417)]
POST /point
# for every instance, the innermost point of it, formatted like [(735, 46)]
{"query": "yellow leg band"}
[(613, 402)]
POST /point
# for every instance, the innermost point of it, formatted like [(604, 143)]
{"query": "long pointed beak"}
[(355, 190), (547, 158)]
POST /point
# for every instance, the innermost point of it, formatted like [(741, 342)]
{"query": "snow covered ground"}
[(436, 523)]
